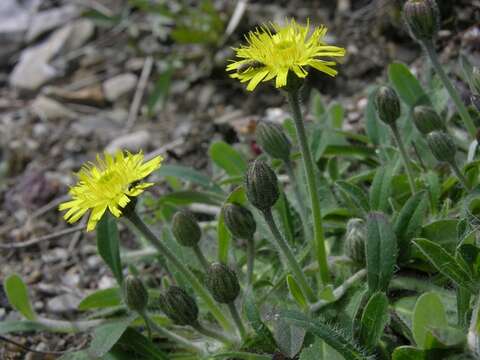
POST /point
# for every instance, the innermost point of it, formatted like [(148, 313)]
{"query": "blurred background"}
[(78, 77)]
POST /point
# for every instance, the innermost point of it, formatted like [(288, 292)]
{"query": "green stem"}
[(462, 109), (341, 290), (201, 258), (318, 245), (196, 285), (403, 153), (287, 252), (298, 197), (174, 337), (212, 333), (236, 317), (250, 261), (460, 176)]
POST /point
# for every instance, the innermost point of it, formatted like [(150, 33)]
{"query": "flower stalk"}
[(403, 154), (462, 109), (287, 252), (318, 243), (133, 217)]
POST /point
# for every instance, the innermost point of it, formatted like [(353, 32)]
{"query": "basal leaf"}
[(374, 319), (101, 299), (381, 189), (227, 158), (406, 85), (17, 295), (429, 313), (108, 245)]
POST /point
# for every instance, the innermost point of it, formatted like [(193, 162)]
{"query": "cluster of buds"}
[(422, 18), (179, 306), (222, 283), (261, 185), (273, 141), (239, 221), (388, 105), (185, 228)]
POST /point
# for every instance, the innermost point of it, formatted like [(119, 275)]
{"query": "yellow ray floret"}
[(273, 50), (108, 184)]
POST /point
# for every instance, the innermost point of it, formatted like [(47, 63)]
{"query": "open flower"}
[(109, 184), (273, 50)]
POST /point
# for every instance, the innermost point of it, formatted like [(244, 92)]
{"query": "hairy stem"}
[(403, 154), (194, 282), (287, 252), (236, 317), (201, 258), (462, 109), (318, 243)]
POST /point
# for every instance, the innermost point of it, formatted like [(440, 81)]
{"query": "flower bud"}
[(261, 185), (185, 228), (239, 221), (426, 119), (388, 105), (273, 140), (476, 80), (222, 283), (179, 306), (442, 146), (422, 18), (135, 294), (355, 240)]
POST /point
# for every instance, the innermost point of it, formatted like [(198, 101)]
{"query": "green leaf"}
[(288, 336), (140, 345), (17, 295), (444, 232), (409, 222), (467, 70), (374, 319), (224, 238), (188, 197), (332, 337), (320, 350), (446, 264), (406, 85), (408, 353), (296, 292), (381, 251), (381, 189), (188, 174), (101, 299), (108, 245), (356, 194), (253, 317), (107, 335), (227, 158), (429, 313)]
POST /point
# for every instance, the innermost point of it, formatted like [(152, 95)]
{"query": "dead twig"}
[(23, 244), (137, 98)]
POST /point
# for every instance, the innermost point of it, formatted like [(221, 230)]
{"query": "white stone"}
[(49, 109), (118, 86)]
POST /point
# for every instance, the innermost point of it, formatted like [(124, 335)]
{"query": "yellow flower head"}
[(108, 184), (272, 51)]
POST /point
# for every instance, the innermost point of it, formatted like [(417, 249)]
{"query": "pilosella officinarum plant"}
[(332, 245)]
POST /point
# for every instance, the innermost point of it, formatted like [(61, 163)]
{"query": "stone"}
[(15, 17), (34, 67), (135, 141), (63, 303), (50, 19), (49, 109), (118, 86)]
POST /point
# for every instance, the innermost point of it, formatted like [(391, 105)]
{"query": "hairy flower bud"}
[(239, 221), (422, 18), (261, 185), (222, 283), (273, 140), (185, 228), (426, 119), (355, 238), (476, 80), (442, 146), (388, 105), (179, 306), (135, 294)]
